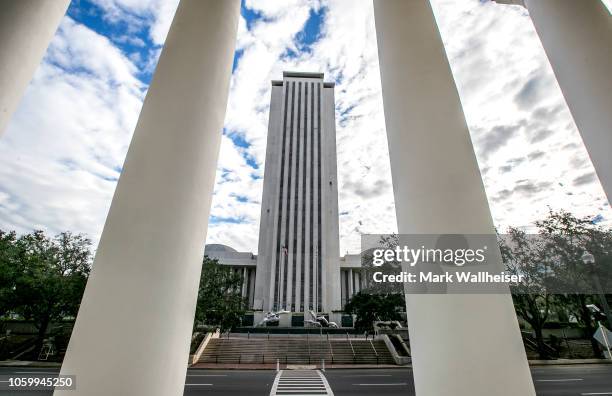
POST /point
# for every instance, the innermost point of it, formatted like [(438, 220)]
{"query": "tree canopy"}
[(43, 278), (554, 272), (374, 307), (220, 301)]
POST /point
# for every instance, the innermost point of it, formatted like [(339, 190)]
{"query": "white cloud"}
[(60, 156), (154, 15)]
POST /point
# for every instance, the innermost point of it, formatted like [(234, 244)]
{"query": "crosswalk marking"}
[(300, 383)]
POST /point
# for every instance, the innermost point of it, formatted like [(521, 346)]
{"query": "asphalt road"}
[(575, 380)]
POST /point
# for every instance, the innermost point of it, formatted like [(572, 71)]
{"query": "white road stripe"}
[(388, 384), (206, 375), (368, 375), (596, 393), (560, 380), (198, 384)]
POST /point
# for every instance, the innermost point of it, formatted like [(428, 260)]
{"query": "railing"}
[(254, 359), (530, 341), (263, 358), (308, 342), (331, 351), (375, 352), (352, 349)]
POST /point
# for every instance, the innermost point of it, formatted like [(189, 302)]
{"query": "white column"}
[(26, 28), (350, 284), (462, 344), (244, 286), (133, 330), (577, 37), (343, 291), (251, 294)]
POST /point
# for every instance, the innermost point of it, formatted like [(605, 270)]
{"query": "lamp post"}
[(589, 260)]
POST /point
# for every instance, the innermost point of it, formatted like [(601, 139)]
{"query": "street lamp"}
[(589, 260)]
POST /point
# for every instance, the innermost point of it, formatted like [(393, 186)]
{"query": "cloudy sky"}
[(63, 151)]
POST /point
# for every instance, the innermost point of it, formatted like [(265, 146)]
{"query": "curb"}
[(283, 367), (533, 363), (568, 362)]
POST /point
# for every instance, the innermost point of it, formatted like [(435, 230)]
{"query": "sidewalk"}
[(562, 362), (268, 366)]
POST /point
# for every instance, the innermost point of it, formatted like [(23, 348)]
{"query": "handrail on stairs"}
[(375, 352), (352, 349)]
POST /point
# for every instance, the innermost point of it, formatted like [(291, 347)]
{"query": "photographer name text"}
[(448, 277)]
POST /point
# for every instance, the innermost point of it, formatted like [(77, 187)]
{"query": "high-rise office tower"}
[(298, 259)]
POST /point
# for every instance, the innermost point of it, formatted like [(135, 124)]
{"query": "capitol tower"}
[(298, 267)]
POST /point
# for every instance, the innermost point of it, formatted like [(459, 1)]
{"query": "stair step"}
[(296, 350)]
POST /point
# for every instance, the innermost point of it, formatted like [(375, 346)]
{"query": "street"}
[(575, 380)]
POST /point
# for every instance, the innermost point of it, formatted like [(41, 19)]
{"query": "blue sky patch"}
[(231, 220), (312, 29), (250, 16), (132, 38)]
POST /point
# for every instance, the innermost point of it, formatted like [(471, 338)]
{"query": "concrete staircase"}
[(295, 350)]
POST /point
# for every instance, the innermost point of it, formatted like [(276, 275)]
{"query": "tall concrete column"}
[(461, 344), (576, 36), (26, 28), (133, 330)]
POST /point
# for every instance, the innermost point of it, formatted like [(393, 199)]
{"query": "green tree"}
[(8, 270), (220, 301), (51, 274), (392, 267), (372, 307), (567, 237), (526, 256)]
